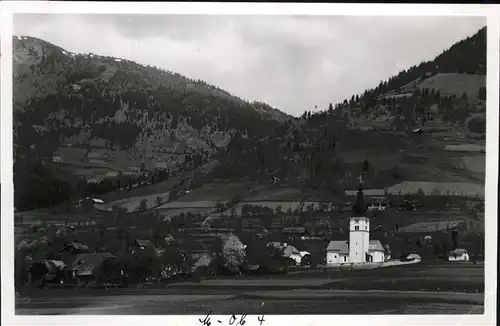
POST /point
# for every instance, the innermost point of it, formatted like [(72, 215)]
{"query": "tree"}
[(172, 195), (387, 250), (366, 165), (233, 253), (143, 205)]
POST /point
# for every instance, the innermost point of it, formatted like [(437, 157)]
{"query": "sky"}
[(293, 63)]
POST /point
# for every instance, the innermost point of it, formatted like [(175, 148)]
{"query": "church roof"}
[(341, 246), (375, 245)]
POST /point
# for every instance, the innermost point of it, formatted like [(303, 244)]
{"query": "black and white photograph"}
[(250, 165)]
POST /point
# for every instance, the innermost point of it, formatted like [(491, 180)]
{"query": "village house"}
[(143, 248), (288, 251), (71, 250), (458, 255), (45, 271), (89, 268)]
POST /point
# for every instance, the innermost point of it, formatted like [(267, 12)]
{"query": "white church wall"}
[(378, 256), (334, 258)]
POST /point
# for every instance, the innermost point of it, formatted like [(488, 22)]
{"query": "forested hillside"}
[(311, 149), (88, 101), (134, 114)]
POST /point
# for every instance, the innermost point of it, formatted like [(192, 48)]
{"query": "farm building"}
[(88, 268), (71, 250), (458, 255), (289, 251), (45, 271), (57, 159)]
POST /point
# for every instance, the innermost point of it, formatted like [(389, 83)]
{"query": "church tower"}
[(359, 231)]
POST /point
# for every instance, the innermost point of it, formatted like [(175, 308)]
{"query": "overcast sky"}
[(291, 62)]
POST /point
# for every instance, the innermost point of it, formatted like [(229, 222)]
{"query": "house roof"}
[(75, 246), (274, 244), (340, 246), (458, 252), (50, 265), (289, 250), (375, 245), (148, 244), (294, 230), (144, 243), (84, 264)]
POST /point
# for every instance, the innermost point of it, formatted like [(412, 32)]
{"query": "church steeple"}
[(359, 207)]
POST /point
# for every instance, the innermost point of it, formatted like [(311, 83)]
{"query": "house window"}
[(345, 258), (356, 228)]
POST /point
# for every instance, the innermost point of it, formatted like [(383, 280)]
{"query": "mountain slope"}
[(329, 147), (87, 109)]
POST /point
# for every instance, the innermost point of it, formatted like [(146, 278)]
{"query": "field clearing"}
[(457, 188), (452, 83), (285, 205), (218, 192), (131, 203), (178, 211), (475, 163), (431, 226), (275, 193), (188, 204), (465, 148), (377, 158)]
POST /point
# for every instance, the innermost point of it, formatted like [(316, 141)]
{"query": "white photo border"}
[(491, 12)]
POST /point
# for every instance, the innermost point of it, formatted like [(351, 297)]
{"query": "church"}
[(359, 248)]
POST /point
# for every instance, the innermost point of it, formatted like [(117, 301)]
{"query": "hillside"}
[(444, 97), (91, 112), (111, 118)]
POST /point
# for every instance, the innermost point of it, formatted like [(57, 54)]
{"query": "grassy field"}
[(451, 83), (431, 226), (412, 187), (437, 287), (131, 203), (475, 163)]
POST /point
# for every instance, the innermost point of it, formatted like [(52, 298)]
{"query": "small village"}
[(260, 242)]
